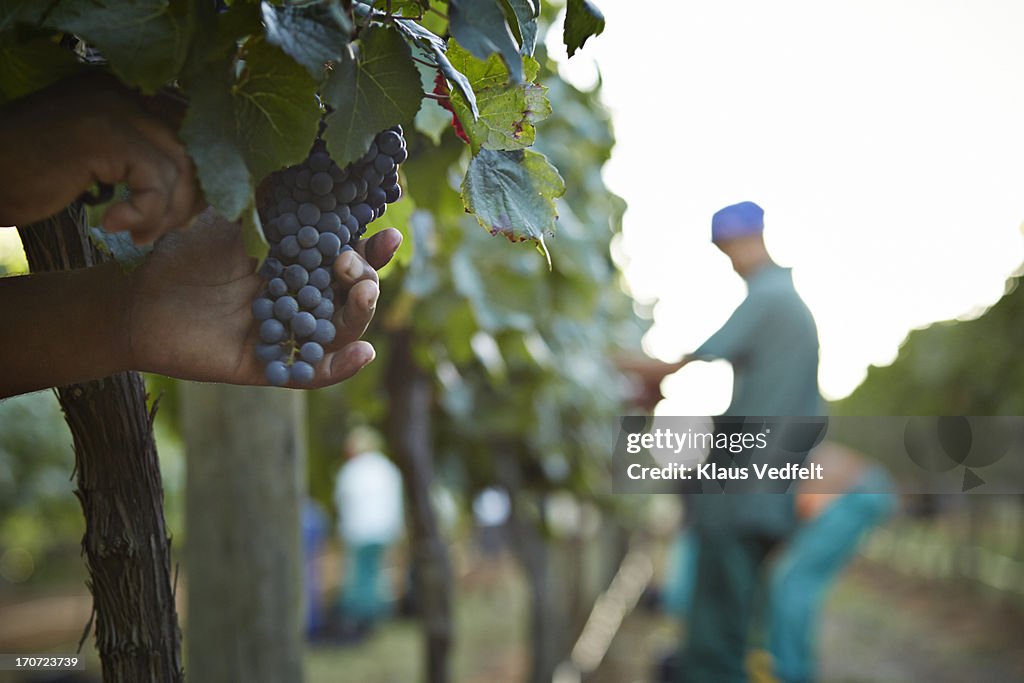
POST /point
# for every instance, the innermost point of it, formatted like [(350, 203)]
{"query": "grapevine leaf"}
[(525, 27), (32, 63), (507, 111), (415, 33), (145, 41), (239, 132), (373, 87), (480, 27), (256, 244), (276, 111), (582, 20), (513, 193), (305, 33)]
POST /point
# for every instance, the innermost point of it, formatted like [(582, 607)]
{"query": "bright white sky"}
[(884, 139)]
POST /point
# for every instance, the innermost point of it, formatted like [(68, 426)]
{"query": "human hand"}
[(190, 314), (92, 129)]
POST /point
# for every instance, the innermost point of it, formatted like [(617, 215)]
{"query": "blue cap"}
[(739, 220)]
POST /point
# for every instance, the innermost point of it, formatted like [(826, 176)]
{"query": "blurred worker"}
[(315, 524), (368, 494), (834, 517), (771, 342)]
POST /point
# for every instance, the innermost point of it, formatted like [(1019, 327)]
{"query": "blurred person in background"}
[(834, 518), (315, 525), (368, 496), (771, 341)]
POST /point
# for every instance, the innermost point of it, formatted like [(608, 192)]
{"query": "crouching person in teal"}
[(832, 526)]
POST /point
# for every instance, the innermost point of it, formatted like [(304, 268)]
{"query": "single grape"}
[(384, 165), (344, 234), (325, 203), (329, 222), (288, 223), (389, 180), (389, 142), (277, 287), (303, 324), (362, 213), (400, 156), (308, 236), (329, 244), (372, 177), (290, 247), (310, 258), (393, 194), (308, 214), (319, 161), (327, 293), (262, 308), (311, 352), (271, 268), (296, 277), (277, 373), (320, 278), (272, 331), (325, 309), (376, 197), (308, 297), (346, 192), (285, 308), (302, 179), (352, 223), (324, 332), (322, 183), (379, 211), (361, 188), (268, 352), (343, 211), (302, 372), (287, 205)]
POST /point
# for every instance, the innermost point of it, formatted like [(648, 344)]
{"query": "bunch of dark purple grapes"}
[(316, 211)]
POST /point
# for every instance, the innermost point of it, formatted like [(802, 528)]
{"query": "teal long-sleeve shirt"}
[(771, 342)]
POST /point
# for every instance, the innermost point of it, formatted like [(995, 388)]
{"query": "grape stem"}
[(436, 97)]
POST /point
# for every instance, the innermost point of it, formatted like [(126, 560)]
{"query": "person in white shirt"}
[(368, 496)]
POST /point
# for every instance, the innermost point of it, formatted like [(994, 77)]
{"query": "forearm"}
[(63, 327)]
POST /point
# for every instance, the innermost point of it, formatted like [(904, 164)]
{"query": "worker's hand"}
[(58, 142), (190, 312)]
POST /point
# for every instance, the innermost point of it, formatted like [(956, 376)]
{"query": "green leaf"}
[(582, 20), (306, 33), (507, 111), (145, 41), (513, 193), (480, 27), (525, 27), (418, 35), (256, 244), (374, 87), (237, 131), (32, 63)]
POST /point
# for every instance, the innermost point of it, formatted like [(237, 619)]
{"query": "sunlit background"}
[(883, 140)]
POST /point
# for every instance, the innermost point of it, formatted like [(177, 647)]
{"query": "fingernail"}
[(371, 300)]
